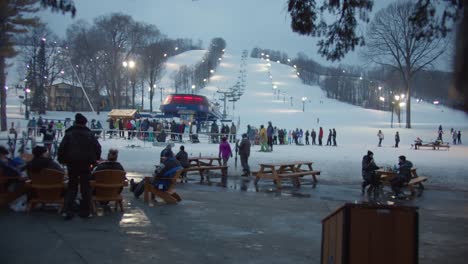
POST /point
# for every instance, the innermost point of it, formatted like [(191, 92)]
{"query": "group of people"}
[(225, 132), (454, 135), (269, 136), (371, 179)]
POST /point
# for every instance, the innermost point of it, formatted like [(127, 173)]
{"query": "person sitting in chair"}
[(403, 177), (41, 160), (167, 169), (111, 163)]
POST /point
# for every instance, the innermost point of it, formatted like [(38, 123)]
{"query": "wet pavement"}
[(236, 224)]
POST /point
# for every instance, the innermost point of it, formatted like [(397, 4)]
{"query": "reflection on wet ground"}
[(215, 182)]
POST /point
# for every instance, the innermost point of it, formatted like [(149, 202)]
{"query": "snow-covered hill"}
[(356, 127)]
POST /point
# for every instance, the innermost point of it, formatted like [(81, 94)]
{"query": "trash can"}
[(369, 234)]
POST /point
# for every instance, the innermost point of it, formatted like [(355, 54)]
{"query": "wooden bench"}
[(416, 183), (431, 145), (169, 196), (201, 170)]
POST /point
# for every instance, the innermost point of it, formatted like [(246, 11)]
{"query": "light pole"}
[(193, 88), (130, 65), (303, 103)]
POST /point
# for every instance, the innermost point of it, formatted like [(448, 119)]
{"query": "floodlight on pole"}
[(303, 103), (397, 97), (381, 98), (380, 88)]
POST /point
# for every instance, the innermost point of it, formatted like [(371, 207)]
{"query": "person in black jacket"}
[(49, 136), (313, 134), (329, 137), (182, 157), (397, 139), (244, 153), (334, 137), (368, 173), (79, 150), (41, 160), (403, 177)]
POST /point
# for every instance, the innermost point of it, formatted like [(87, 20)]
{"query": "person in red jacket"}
[(320, 136)]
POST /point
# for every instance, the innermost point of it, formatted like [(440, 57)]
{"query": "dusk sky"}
[(244, 24)]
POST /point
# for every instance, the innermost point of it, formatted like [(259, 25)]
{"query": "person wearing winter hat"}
[(41, 160), (79, 150), (368, 173)]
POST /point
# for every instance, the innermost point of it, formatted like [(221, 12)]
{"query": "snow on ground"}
[(356, 127)]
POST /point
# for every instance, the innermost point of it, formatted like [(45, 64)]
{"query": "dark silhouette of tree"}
[(17, 15), (40, 74)]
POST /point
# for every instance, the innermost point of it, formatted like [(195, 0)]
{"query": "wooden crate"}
[(368, 234)]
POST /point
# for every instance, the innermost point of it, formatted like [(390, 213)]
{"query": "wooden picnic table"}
[(290, 169), (204, 161), (385, 176)]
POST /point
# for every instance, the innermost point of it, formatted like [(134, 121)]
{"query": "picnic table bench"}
[(292, 170), (416, 181), (431, 145)]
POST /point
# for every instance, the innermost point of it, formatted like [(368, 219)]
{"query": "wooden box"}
[(370, 234)]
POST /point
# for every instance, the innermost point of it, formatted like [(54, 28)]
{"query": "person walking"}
[(313, 135), (79, 150), (459, 137), (320, 136), (307, 137), (244, 153), (334, 137), (380, 135), (329, 137), (397, 139)]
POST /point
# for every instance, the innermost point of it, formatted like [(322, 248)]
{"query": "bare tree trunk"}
[(408, 105), (3, 94)]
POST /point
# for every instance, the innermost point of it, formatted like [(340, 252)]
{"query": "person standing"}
[(454, 137), (289, 137), (79, 150), (59, 129), (380, 135), (121, 128), (440, 134), (307, 137), (225, 151), (233, 133), (263, 139), (270, 132), (49, 137), (397, 139), (320, 136), (329, 137), (334, 137), (313, 135), (368, 173), (459, 137), (244, 153)]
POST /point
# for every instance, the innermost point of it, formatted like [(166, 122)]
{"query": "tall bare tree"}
[(392, 41)]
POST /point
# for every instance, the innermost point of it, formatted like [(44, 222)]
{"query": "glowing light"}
[(397, 97), (380, 88), (436, 102), (402, 96), (176, 48), (28, 90), (382, 99), (304, 99), (212, 71), (165, 54), (277, 61), (402, 104)]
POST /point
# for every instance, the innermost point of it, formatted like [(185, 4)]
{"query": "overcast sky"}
[(244, 24)]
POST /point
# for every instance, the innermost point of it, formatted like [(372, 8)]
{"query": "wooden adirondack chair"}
[(46, 187), (107, 186), (169, 196)]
